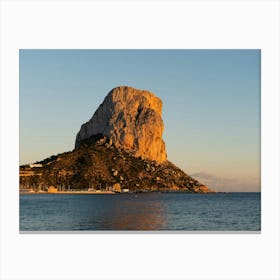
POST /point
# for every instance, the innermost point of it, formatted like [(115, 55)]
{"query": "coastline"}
[(71, 192), (112, 192)]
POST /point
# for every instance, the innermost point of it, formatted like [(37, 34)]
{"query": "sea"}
[(174, 212)]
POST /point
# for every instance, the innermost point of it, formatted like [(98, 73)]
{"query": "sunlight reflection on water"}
[(151, 211)]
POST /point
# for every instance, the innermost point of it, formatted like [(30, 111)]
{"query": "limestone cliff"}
[(121, 144), (131, 119)]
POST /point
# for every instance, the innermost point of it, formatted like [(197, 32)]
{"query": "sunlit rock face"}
[(132, 121)]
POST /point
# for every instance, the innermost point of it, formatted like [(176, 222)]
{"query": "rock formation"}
[(121, 145), (132, 121)]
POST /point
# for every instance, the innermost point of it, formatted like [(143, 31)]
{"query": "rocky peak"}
[(131, 119)]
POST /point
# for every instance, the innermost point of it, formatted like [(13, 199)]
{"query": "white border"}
[(146, 24)]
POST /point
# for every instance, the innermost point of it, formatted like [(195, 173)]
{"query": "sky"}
[(211, 105)]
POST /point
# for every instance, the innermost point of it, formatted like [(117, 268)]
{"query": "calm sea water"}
[(149, 211)]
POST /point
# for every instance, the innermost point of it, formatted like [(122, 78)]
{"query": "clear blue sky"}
[(211, 105)]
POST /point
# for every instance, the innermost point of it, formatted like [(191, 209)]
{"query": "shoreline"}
[(112, 192), (71, 192), (131, 192)]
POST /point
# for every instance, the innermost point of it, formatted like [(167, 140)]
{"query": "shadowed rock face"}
[(132, 121)]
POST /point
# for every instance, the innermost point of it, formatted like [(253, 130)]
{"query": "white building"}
[(32, 165)]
